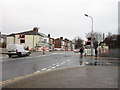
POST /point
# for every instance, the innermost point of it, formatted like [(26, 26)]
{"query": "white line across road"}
[(68, 60), (29, 57), (52, 67), (63, 62), (49, 69), (49, 66), (8, 59), (37, 72), (43, 69), (57, 65)]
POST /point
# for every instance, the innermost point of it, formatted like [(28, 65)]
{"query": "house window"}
[(45, 40)]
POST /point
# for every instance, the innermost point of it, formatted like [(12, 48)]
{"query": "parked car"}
[(76, 50), (17, 49)]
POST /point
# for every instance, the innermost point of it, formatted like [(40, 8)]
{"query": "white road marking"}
[(11, 80), (21, 58), (108, 63), (37, 72), (57, 65), (43, 69), (28, 57), (49, 66), (1, 59), (63, 62), (58, 53), (8, 60), (68, 60), (54, 53), (48, 69), (37, 56), (87, 62), (53, 67)]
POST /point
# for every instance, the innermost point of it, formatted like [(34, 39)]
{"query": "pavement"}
[(75, 77)]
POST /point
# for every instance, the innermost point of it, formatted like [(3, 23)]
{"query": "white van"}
[(17, 49)]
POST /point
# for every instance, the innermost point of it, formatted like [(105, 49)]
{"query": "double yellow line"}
[(17, 78)]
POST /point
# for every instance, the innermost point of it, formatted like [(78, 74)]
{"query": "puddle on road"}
[(98, 63)]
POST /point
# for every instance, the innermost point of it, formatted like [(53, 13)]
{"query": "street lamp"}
[(91, 34)]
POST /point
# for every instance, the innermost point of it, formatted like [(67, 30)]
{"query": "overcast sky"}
[(60, 17)]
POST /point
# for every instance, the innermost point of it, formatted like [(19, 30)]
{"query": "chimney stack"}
[(65, 39), (61, 38), (35, 29), (48, 35)]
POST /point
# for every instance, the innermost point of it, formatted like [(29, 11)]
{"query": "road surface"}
[(23, 66)]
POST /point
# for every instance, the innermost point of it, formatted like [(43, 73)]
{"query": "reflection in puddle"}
[(98, 63)]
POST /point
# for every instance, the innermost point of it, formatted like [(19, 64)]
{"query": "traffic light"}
[(88, 43)]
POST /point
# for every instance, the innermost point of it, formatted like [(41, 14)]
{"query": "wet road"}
[(16, 67)]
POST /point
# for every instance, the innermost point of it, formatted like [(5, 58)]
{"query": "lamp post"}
[(91, 33)]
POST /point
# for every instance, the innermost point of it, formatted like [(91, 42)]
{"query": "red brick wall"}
[(57, 43)]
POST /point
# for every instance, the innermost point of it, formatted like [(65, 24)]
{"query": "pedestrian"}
[(85, 51), (96, 52), (27, 48), (81, 52), (43, 49)]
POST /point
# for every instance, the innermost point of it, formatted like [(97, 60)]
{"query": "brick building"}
[(63, 44)]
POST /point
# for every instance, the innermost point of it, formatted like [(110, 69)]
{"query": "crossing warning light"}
[(22, 38), (88, 43)]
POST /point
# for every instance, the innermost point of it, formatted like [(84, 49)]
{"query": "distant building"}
[(63, 44), (36, 40), (31, 38), (113, 41), (58, 43), (3, 40)]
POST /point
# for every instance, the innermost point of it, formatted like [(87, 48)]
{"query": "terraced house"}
[(63, 44), (32, 38), (36, 40)]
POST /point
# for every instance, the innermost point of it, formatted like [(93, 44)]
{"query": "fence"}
[(113, 53)]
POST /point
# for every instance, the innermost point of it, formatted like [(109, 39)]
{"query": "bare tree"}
[(112, 40), (78, 42), (96, 36)]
